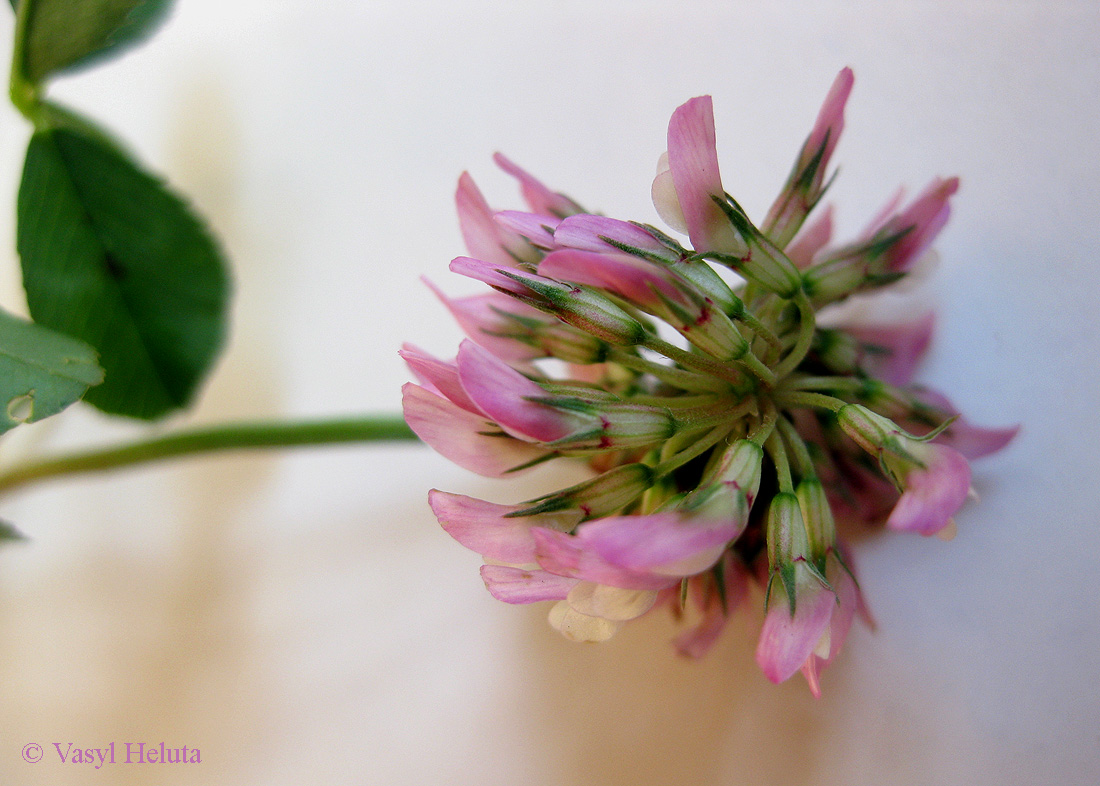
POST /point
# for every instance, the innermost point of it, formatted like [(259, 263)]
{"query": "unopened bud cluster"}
[(727, 433)]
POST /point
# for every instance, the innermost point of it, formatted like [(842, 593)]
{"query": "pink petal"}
[(693, 161), (519, 585), (484, 237), (894, 350), (668, 544), (629, 277), (460, 435), (486, 273), (830, 120), (934, 493), (975, 441), (586, 233), (481, 317), (484, 527), (925, 217), (861, 493), (697, 642), (568, 555), (970, 440), (813, 237), (883, 215), (506, 396), (786, 642), (540, 198), (537, 228), (438, 375)]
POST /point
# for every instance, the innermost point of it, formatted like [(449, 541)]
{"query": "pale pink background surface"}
[(302, 619)]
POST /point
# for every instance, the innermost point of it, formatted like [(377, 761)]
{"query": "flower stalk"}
[(258, 435)]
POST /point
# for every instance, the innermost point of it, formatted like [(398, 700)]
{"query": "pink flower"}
[(812, 239), (485, 238), (492, 320), (790, 638), (604, 235), (934, 479), (478, 411), (892, 352), (970, 440), (692, 171), (807, 181), (717, 602), (540, 198), (468, 439), (921, 222), (828, 646), (697, 398)]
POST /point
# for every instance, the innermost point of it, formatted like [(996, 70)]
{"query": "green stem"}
[(764, 429), (208, 439), (803, 462), (693, 361), (794, 399), (715, 413), (24, 94), (807, 324), (761, 330), (774, 446), (681, 378), (838, 384), (758, 369), (697, 448)]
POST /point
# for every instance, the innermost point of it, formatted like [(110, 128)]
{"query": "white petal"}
[(580, 627), (611, 603)]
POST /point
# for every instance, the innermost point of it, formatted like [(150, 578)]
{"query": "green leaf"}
[(63, 34), (41, 372), (114, 259)]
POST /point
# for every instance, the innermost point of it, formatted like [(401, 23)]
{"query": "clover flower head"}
[(729, 435)]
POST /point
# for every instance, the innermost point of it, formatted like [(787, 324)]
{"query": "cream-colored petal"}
[(611, 603), (664, 196), (580, 627)]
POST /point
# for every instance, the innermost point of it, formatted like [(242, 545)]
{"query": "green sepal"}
[(626, 248), (804, 179), (786, 574), (663, 238), (533, 462), (566, 403), (41, 371)]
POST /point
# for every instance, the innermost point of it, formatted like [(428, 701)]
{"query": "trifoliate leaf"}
[(41, 372), (114, 259), (65, 34)]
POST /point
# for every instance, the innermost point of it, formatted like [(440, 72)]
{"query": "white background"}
[(302, 619)]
